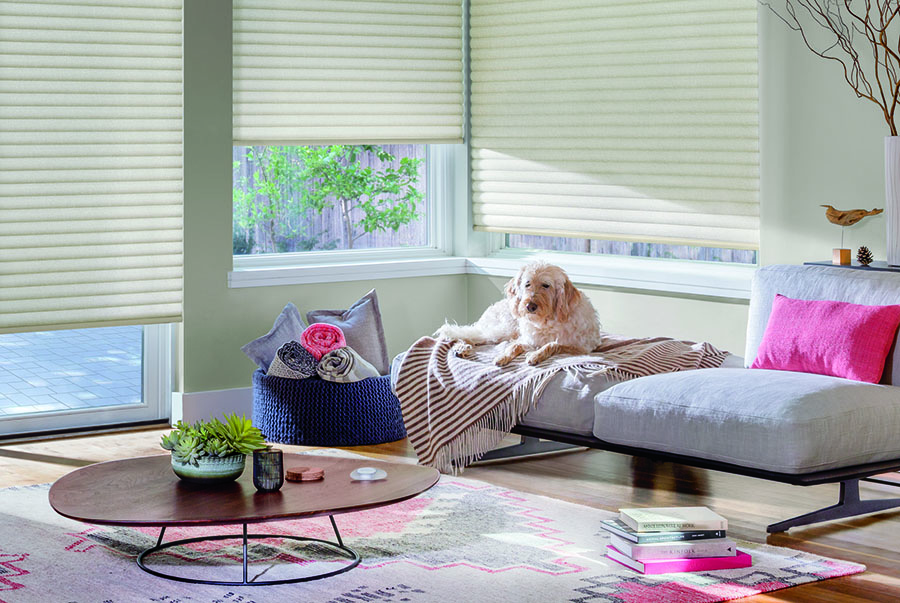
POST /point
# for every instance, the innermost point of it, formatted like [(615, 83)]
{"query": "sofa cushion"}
[(828, 338), (873, 288), (774, 420), (567, 402)]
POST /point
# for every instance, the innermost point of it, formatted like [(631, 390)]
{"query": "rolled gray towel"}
[(345, 365), (292, 361)]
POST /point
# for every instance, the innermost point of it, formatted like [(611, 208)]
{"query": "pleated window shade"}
[(623, 120), (90, 163), (339, 71)]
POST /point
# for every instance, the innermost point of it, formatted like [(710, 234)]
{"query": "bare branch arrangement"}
[(861, 35)]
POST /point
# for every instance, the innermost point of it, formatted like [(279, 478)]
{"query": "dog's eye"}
[(545, 285)]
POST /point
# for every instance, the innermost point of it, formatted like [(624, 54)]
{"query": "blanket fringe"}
[(488, 431)]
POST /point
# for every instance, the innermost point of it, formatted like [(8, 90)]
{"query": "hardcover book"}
[(669, 519), (719, 547), (620, 528), (671, 566)]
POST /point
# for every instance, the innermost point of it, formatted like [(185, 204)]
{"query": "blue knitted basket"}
[(315, 412)]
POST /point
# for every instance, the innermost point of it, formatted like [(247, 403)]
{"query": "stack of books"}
[(665, 540)]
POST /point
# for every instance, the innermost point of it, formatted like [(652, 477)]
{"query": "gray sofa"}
[(796, 428)]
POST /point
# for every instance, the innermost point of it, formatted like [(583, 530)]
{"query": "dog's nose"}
[(531, 307)]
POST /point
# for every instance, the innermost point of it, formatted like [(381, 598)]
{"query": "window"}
[(368, 94), (627, 121), (297, 199), (630, 248)]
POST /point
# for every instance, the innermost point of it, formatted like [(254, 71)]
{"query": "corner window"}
[(633, 249), (314, 200)]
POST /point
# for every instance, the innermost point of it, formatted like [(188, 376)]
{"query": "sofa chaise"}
[(797, 428)]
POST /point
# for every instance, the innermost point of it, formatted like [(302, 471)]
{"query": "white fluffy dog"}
[(543, 314)]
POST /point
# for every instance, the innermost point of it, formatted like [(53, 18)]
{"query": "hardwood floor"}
[(599, 479)]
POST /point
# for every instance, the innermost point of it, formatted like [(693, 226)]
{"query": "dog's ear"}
[(512, 287), (567, 297), (512, 295)]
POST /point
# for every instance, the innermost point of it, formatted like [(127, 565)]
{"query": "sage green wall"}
[(819, 144), (219, 320)]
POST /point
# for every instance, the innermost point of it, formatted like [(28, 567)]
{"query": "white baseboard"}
[(196, 406)]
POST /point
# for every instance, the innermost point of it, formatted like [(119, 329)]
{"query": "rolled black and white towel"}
[(345, 365), (292, 361)]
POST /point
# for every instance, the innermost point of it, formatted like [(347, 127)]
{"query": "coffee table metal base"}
[(339, 545)]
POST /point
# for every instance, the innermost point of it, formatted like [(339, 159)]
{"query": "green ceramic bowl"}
[(211, 470)]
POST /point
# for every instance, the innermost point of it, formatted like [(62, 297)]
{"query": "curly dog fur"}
[(543, 314)]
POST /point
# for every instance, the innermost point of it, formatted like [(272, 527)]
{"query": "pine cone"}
[(864, 256)]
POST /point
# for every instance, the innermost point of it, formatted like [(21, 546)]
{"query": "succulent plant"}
[(170, 441), (188, 450), (240, 434), (217, 447), (213, 438)]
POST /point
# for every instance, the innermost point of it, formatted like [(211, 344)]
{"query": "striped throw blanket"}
[(457, 409)]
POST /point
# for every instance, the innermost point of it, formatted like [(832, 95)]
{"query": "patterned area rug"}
[(463, 540)]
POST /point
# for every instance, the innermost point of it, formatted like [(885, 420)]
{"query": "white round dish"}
[(367, 474)]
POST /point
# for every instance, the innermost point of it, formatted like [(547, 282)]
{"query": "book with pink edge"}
[(671, 566)]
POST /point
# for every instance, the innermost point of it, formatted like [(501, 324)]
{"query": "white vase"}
[(892, 197)]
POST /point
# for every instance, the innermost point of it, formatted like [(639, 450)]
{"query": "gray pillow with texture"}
[(361, 324), (288, 326)]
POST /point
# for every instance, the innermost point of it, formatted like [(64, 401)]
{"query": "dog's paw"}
[(502, 360), (533, 358), (463, 350)]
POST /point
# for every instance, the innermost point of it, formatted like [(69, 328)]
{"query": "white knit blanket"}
[(457, 409)]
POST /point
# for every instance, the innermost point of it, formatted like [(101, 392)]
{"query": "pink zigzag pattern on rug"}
[(526, 511), (837, 569), (6, 562), (680, 592)]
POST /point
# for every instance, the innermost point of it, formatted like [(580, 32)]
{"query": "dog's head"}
[(541, 292)]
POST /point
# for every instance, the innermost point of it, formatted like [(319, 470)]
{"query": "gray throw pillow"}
[(361, 324), (288, 326)]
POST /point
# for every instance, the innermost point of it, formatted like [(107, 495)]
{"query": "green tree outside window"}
[(288, 185)]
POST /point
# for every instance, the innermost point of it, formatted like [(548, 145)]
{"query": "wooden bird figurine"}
[(848, 217)]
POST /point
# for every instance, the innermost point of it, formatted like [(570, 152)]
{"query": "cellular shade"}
[(339, 71), (90, 163), (624, 120)]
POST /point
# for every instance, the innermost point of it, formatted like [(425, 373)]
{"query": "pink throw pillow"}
[(828, 338)]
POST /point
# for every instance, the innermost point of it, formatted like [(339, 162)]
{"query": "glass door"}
[(53, 380)]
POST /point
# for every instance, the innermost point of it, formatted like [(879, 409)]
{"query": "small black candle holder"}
[(268, 469)]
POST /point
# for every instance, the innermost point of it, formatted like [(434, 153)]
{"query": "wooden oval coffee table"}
[(145, 492)]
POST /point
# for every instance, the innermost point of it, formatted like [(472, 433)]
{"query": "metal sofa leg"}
[(849, 505), (527, 446)]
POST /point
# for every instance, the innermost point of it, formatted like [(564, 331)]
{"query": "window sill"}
[(686, 277), (267, 276), (707, 279)]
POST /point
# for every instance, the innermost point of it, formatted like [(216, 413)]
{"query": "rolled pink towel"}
[(320, 338)]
